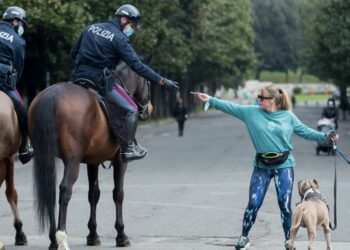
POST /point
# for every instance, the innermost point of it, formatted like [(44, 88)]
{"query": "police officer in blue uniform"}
[(12, 50), (103, 45)]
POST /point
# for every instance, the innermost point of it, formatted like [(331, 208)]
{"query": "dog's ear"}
[(301, 187), (315, 183)]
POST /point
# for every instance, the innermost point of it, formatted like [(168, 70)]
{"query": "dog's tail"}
[(297, 217)]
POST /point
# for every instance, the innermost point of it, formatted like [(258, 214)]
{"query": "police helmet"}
[(15, 12), (130, 12)]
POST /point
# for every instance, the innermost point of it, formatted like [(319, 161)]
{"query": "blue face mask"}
[(20, 30), (129, 31)]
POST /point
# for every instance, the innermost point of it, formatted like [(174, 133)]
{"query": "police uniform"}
[(104, 45), (12, 50)]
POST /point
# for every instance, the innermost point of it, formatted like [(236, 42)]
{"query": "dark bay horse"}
[(67, 121), (10, 139)]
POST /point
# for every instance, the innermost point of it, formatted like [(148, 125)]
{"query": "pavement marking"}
[(163, 204)]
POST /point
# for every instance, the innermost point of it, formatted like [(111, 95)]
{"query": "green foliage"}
[(327, 39), (297, 91), (223, 41), (276, 25), (293, 76)]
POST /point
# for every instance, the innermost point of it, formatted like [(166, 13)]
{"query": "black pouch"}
[(109, 79), (8, 77), (272, 158)]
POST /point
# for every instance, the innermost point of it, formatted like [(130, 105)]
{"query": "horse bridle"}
[(143, 108)]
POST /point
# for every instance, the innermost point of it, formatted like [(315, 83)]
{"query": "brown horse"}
[(67, 121), (10, 139)]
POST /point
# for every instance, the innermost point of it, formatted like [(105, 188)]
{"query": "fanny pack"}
[(272, 158)]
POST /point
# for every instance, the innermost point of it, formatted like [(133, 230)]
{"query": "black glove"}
[(169, 85)]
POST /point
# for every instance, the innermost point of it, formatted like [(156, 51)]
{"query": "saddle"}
[(115, 115)]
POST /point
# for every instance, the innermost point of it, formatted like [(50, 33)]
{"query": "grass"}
[(280, 77), (315, 97)]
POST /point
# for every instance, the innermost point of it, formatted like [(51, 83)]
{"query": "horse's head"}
[(138, 87)]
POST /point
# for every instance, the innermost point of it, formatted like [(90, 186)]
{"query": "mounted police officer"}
[(102, 46), (12, 50)]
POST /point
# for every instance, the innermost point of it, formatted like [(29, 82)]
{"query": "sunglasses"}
[(261, 97)]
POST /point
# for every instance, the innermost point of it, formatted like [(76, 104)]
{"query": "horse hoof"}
[(123, 242), (21, 240), (93, 240)]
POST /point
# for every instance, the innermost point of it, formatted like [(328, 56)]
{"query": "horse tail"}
[(44, 141)]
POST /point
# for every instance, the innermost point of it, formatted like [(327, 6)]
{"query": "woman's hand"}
[(203, 97), (331, 134)]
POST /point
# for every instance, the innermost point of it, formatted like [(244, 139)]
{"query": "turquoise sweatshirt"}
[(269, 131)]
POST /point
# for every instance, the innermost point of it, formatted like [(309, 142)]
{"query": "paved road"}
[(190, 192)]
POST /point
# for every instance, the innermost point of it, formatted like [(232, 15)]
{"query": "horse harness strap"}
[(143, 107)]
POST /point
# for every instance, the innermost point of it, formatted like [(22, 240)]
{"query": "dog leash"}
[(334, 226), (342, 155), (337, 150)]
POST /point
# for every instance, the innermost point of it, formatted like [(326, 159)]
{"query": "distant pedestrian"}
[(270, 126), (344, 108), (180, 114), (294, 101)]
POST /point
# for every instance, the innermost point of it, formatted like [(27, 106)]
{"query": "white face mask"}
[(20, 30)]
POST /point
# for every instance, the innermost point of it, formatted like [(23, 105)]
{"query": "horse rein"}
[(142, 107)]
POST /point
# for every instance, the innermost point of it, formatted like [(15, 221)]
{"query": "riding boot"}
[(25, 151), (130, 149)]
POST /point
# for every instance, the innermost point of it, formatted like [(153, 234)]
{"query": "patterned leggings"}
[(259, 184)]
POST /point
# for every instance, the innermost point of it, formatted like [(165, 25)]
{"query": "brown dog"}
[(311, 213)]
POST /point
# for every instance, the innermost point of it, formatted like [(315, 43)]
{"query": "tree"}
[(276, 24), (327, 42), (223, 41)]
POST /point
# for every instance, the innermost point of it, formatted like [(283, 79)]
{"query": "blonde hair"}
[(281, 96)]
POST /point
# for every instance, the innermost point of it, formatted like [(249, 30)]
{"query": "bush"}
[(297, 91)]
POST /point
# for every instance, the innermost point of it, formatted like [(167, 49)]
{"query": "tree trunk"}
[(286, 76), (301, 77), (257, 73)]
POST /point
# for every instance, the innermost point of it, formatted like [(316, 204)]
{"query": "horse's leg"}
[(119, 168), (52, 233), (12, 198), (94, 195), (71, 172), (2, 172), (2, 178)]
